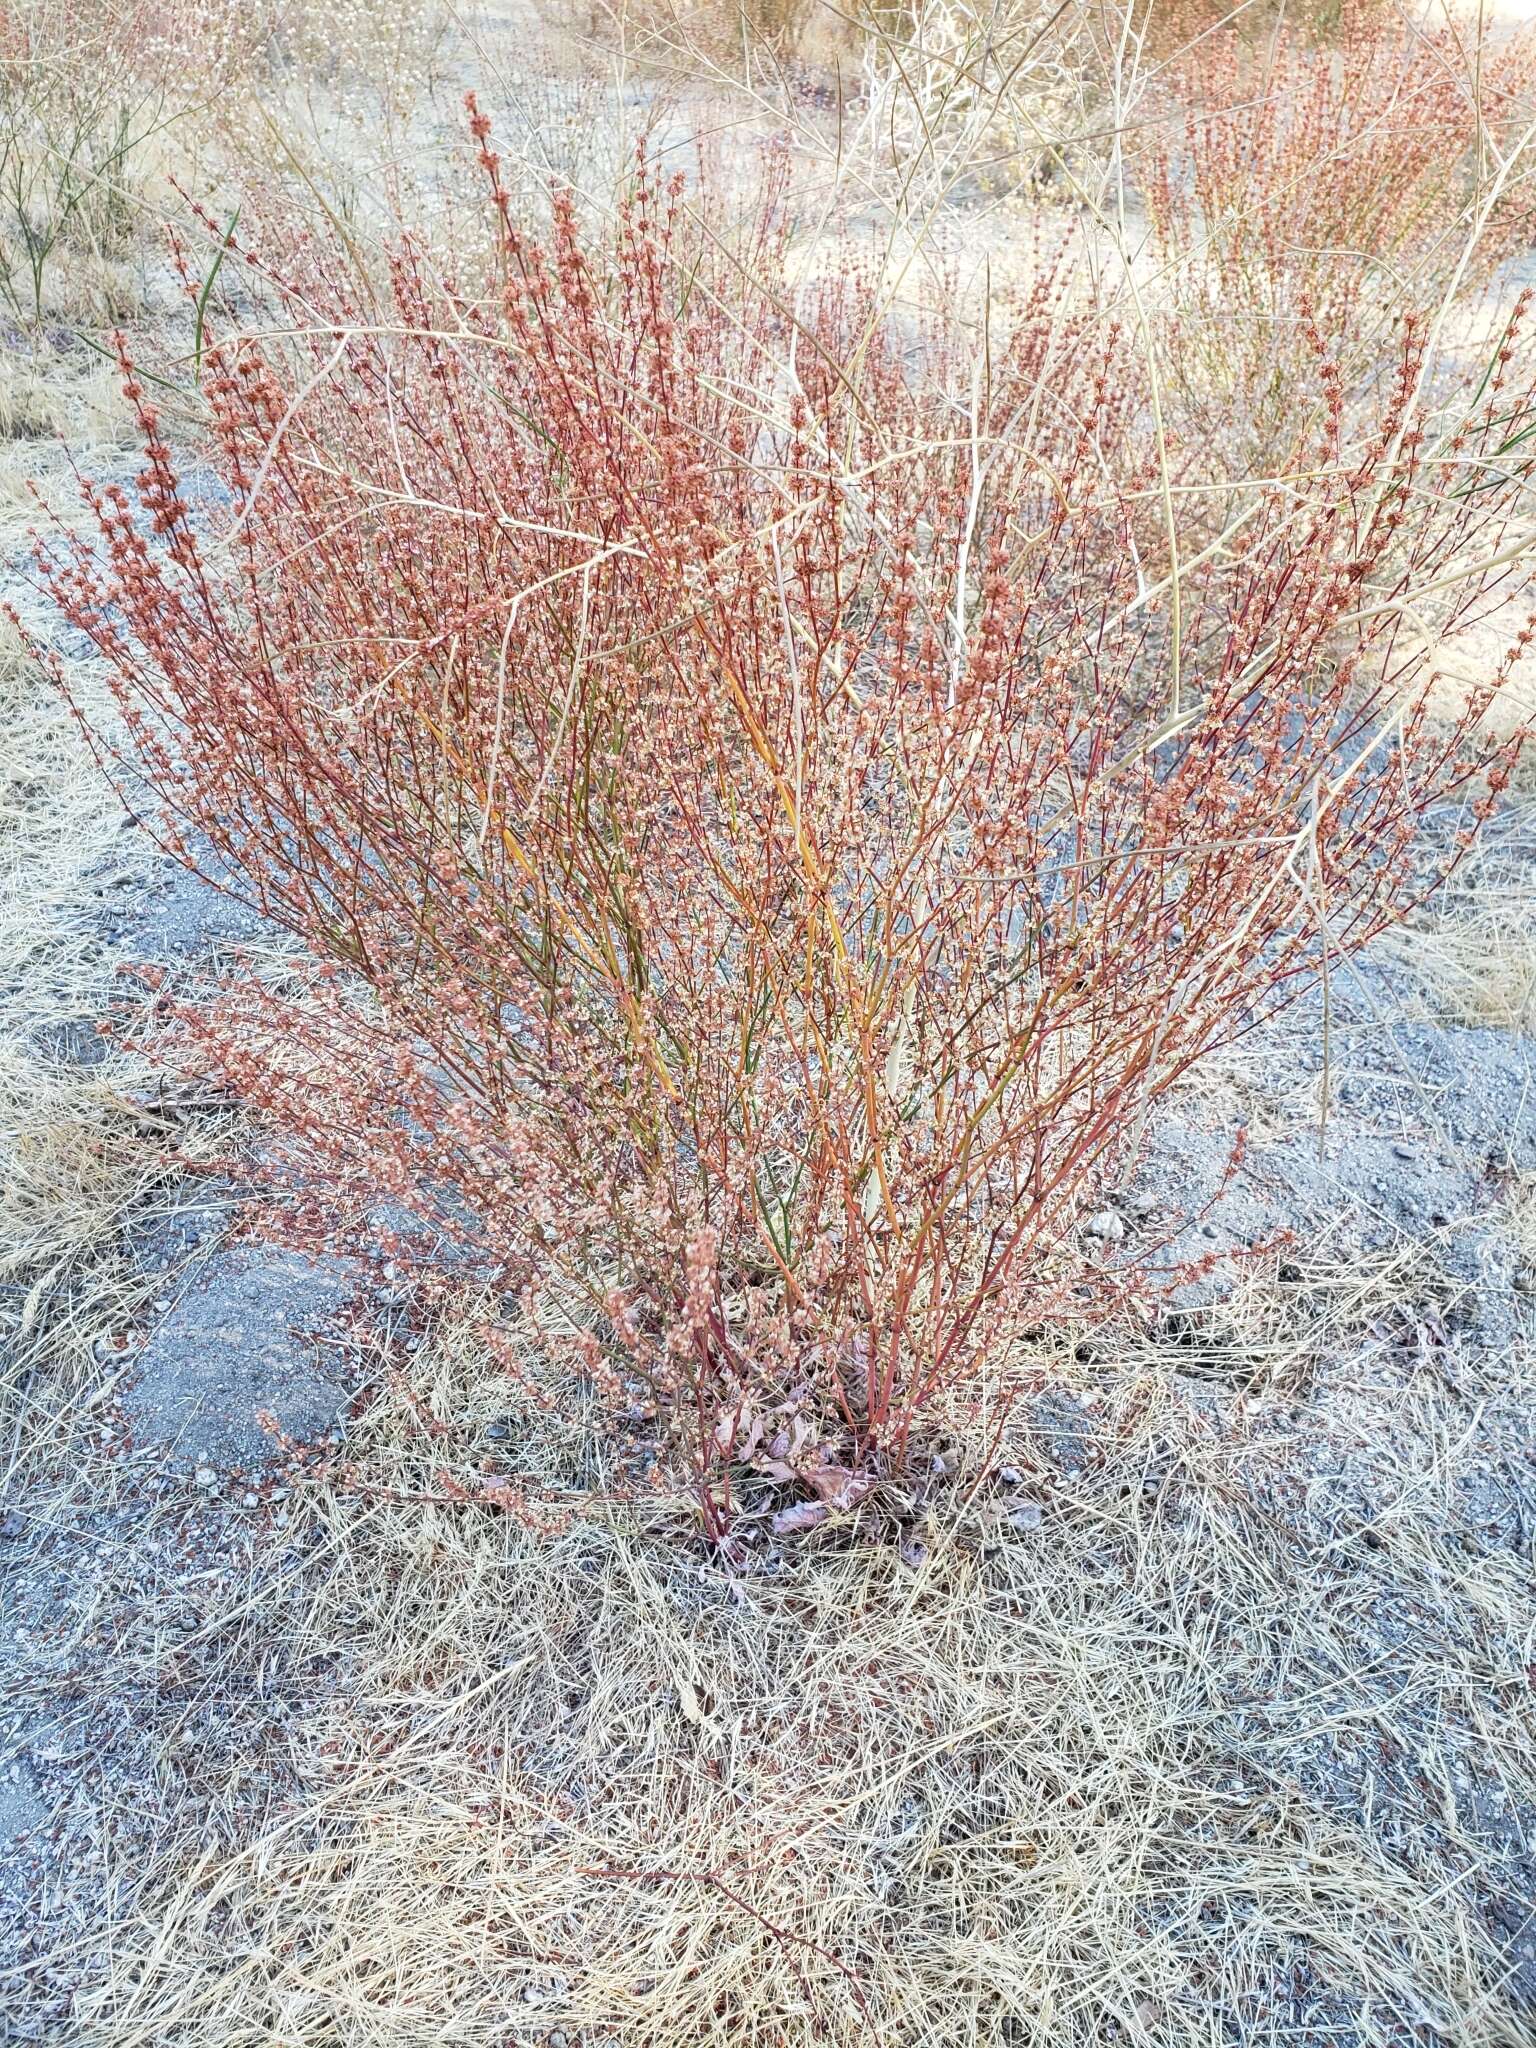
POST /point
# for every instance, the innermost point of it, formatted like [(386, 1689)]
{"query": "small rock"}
[(1106, 1225), (13, 1524), (252, 1501), (1028, 1515), (496, 1431), (1403, 1152), (205, 1478)]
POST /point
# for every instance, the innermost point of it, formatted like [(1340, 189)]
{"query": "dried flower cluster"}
[(767, 827)]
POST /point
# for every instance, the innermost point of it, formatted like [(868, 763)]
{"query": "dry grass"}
[(1475, 945), (77, 1157), (81, 148), (75, 399), (1085, 1768), (1523, 1215)]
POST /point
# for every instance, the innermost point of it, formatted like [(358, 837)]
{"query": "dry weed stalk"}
[(778, 842), (75, 122), (959, 94)]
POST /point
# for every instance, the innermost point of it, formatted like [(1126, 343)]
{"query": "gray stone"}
[(1421, 1120), (21, 1804), (1063, 1426), (240, 1339), (179, 914)]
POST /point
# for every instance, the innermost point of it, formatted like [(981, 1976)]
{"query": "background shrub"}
[(1305, 199)]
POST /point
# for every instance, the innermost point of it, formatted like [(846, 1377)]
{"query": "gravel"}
[(241, 1338)]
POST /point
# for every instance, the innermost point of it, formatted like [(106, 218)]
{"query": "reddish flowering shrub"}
[(1170, 27), (1300, 192), (765, 837)]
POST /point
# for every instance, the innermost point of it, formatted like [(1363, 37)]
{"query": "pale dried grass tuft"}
[(1475, 944), (1072, 1768), (77, 1155)]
